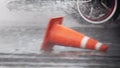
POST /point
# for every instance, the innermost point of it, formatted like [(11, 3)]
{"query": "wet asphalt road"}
[(21, 49), (22, 27)]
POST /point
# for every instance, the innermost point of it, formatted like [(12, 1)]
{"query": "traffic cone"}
[(56, 34)]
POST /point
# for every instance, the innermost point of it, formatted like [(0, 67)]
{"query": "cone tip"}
[(104, 48)]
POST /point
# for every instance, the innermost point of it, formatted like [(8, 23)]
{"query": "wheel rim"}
[(96, 11)]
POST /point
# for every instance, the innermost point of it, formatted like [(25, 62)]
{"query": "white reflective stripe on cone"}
[(98, 45), (84, 42)]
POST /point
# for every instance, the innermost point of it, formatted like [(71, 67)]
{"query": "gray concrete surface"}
[(22, 31), (20, 47)]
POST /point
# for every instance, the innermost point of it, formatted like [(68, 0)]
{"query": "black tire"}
[(117, 13), (111, 14)]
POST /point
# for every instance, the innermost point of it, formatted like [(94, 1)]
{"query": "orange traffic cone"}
[(56, 34)]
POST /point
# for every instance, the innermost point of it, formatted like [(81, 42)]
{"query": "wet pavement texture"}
[(20, 48), (22, 27)]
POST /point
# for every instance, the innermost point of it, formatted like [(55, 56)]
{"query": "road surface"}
[(22, 28), (20, 49)]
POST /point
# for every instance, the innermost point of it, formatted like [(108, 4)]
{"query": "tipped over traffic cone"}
[(56, 34)]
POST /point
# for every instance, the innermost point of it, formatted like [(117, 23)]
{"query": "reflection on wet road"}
[(22, 44)]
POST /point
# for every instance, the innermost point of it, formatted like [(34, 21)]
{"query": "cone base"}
[(46, 45)]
